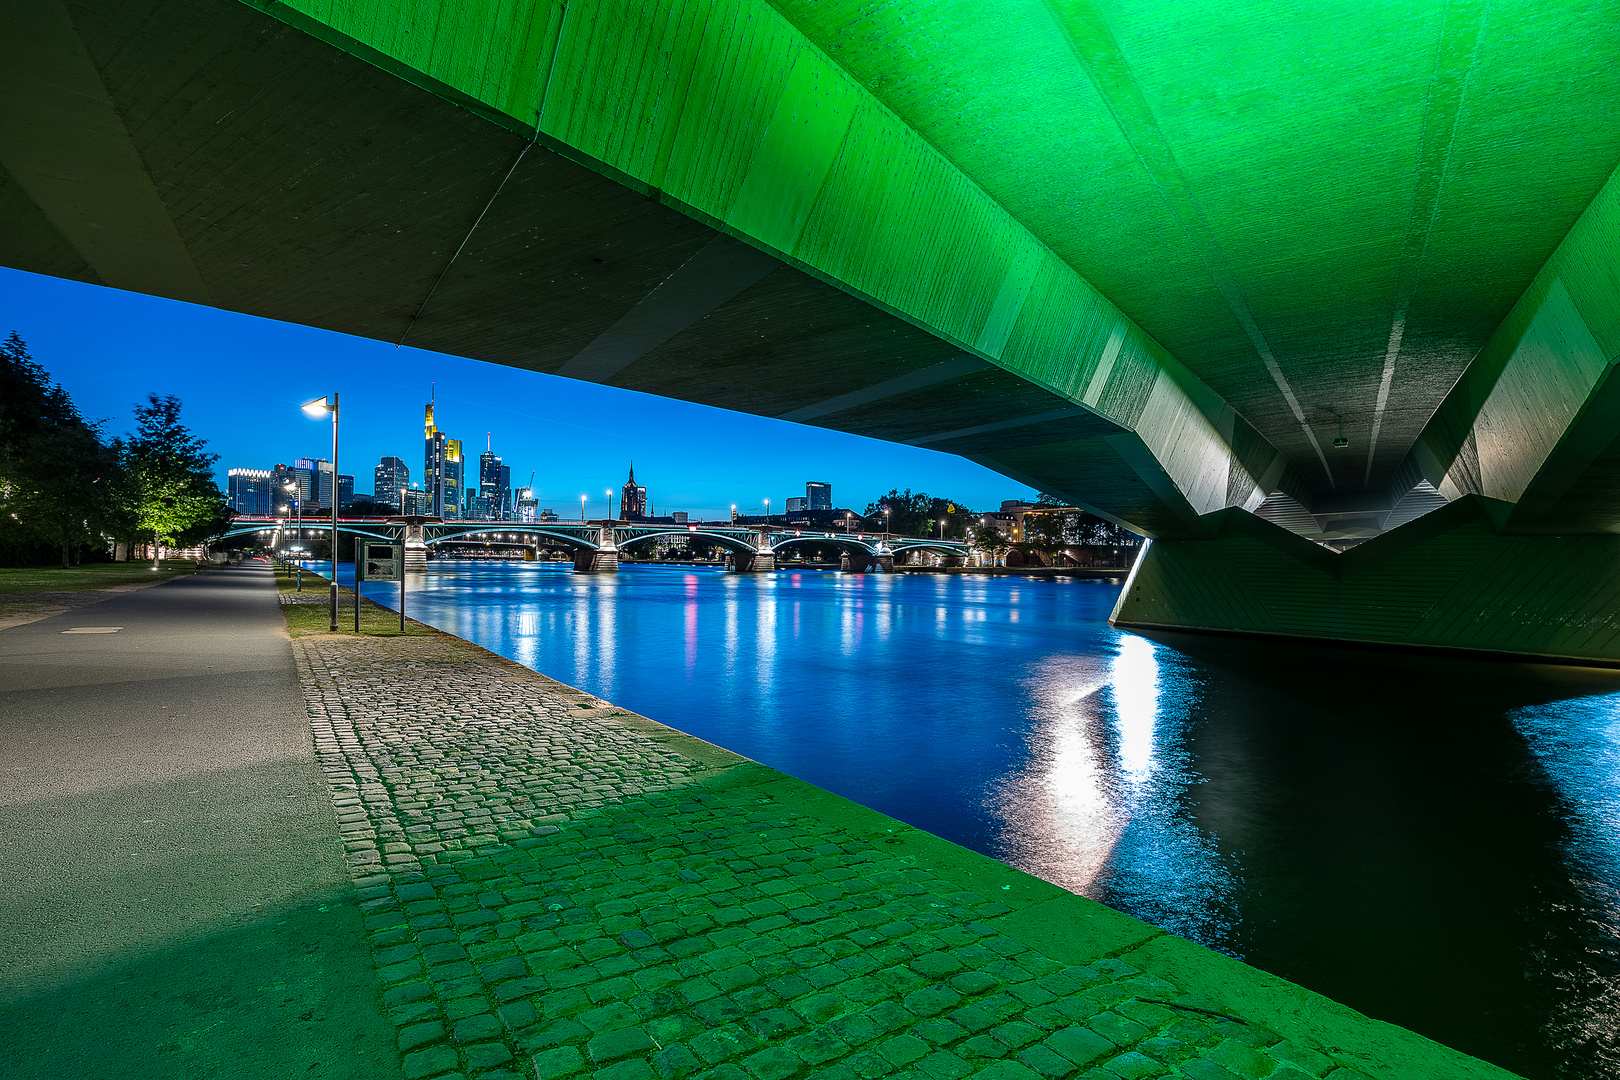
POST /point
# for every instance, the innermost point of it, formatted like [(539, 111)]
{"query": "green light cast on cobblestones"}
[(554, 887)]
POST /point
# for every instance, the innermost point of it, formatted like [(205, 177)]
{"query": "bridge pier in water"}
[(753, 562), (415, 547), (603, 558), (865, 564)]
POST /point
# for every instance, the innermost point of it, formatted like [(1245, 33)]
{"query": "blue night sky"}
[(241, 380)]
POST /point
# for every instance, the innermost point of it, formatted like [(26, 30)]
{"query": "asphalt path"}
[(173, 901)]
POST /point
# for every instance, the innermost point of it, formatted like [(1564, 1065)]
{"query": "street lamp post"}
[(886, 512), (316, 408), (609, 494), (582, 509), (298, 509), (767, 513)]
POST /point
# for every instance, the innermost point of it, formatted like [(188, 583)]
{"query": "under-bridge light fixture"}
[(1341, 442)]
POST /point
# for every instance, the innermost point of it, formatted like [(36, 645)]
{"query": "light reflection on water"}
[(1435, 842)]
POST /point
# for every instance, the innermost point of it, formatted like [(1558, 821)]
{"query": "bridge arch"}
[(561, 539), (725, 540), (847, 545)]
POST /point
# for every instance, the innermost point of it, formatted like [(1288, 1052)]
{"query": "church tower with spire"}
[(632, 499)]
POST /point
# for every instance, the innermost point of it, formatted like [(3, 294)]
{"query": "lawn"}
[(316, 618), (90, 576)]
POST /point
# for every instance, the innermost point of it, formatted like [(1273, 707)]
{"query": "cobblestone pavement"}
[(553, 890)]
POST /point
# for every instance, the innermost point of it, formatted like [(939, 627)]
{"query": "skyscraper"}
[(632, 499), (391, 477), (491, 503), (455, 477), (819, 494), (251, 491), (415, 501), (314, 479), (442, 469)]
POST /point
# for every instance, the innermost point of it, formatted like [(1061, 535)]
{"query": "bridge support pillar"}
[(1448, 580), (753, 562), (596, 561), (602, 559), (530, 554), (416, 552), (952, 560), (883, 562)]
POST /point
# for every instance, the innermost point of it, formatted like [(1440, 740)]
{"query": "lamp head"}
[(315, 408)]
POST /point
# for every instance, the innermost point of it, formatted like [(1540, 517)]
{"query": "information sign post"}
[(382, 562)]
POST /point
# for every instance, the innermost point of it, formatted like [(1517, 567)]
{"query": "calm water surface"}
[(1435, 842)]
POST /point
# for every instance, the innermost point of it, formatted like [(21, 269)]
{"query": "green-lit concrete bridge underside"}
[(1160, 259)]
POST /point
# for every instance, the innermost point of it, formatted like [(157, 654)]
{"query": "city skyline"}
[(241, 379)]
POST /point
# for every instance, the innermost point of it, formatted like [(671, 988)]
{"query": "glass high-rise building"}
[(819, 495), (442, 469), (390, 478), (251, 491), (314, 479)]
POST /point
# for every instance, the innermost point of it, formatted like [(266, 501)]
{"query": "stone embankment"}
[(555, 887)]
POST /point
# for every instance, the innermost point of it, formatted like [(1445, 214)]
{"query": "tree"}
[(56, 475), (991, 541), (1047, 527), (169, 479), (920, 514)]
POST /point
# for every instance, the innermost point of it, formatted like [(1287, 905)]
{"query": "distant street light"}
[(886, 513), (315, 408), (298, 507), (582, 509), (609, 494), (767, 513)]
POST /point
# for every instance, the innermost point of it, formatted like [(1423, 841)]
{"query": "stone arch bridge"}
[(596, 544)]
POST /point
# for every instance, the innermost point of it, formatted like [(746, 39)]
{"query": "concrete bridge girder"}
[(112, 171), (683, 186)]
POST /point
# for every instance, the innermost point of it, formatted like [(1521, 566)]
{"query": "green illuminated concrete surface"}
[(1152, 258)]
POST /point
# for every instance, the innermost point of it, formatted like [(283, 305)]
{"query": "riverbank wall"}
[(557, 887)]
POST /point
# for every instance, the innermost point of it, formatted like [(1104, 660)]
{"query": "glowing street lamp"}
[(582, 509), (609, 494), (767, 513), (298, 508), (315, 408)]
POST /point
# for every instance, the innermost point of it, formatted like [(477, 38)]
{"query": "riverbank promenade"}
[(545, 885), (172, 899)]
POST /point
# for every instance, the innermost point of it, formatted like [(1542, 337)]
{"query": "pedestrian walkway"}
[(553, 888), (173, 901)]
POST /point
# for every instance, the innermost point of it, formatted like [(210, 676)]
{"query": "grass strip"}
[(90, 576), (315, 618)]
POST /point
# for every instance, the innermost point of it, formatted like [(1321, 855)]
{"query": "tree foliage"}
[(57, 476), (990, 540), (1054, 525), (919, 514), (169, 483)]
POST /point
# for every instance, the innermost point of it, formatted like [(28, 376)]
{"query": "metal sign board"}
[(383, 562)]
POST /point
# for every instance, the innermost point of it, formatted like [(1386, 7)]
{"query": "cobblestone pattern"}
[(304, 597), (551, 895)]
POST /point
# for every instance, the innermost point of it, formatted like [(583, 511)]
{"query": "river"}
[(1433, 841)]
